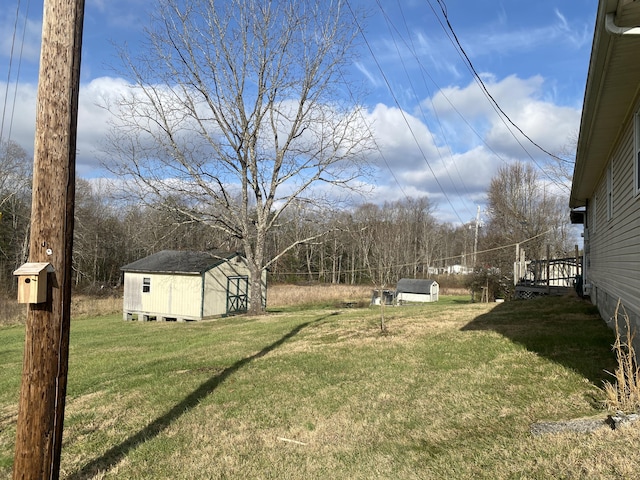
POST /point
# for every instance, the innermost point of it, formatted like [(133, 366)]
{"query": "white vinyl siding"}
[(614, 245), (172, 295), (609, 190), (594, 213), (636, 153)]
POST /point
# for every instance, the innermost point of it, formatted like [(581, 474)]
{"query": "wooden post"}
[(516, 266), (548, 268), (46, 350)]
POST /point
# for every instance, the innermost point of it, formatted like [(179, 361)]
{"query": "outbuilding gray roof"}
[(411, 285), (174, 261)]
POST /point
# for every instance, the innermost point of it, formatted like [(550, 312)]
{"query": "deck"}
[(546, 277)]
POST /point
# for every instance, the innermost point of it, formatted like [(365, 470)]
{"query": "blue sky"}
[(438, 132)]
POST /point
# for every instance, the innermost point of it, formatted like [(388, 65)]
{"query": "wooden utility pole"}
[(46, 350)]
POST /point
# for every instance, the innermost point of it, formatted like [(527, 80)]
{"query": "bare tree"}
[(15, 199), (523, 208), (237, 108)]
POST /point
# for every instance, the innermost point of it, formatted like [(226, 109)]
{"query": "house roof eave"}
[(612, 80)]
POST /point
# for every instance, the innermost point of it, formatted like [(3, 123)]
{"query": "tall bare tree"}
[(15, 199), (238, 108), (521, 207)]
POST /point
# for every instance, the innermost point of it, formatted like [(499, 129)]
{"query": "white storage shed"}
[(177, 286), (417, 290)]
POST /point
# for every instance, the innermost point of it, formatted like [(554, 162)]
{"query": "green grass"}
[(450, 391)]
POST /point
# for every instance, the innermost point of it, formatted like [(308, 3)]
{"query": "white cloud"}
[(454, 164), (453, 167), (20, 36), (20, 113), (549, 125), (92, 119)]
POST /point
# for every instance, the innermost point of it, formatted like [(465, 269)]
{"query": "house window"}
[(636, 153), (146, 285), (610, 190)]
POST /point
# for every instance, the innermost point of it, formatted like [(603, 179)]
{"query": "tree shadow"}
[(567, 330), (115, 454)]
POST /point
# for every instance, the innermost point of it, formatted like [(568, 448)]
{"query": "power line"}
[(490, 97), (15, 93), (419, 103), (388, 84), (435, 260), (377, 147)]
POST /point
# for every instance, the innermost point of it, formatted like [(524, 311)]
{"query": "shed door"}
[(237, 294)]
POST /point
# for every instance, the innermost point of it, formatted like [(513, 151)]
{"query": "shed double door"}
[(237, 294)]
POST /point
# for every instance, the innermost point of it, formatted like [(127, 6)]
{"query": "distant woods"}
[(358, 245)]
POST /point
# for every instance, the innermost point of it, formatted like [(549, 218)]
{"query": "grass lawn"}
[(449, 392)]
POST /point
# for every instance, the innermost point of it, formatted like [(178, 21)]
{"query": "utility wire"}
[(388, 84), (15, 90), (389, 26), (375, 143), (6, 93), (493, 101), (435, 260)]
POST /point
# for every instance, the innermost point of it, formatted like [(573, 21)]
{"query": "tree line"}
[(239, 129), (364, 244)]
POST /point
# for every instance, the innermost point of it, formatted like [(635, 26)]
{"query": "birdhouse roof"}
[(33, 268)]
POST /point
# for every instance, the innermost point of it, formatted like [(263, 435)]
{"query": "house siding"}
[(612, 249)]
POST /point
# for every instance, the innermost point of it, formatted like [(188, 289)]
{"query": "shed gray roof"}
[(173, 261), (411, 285)]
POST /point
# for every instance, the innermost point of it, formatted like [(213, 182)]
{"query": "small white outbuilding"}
[(417, 290), (176, 286)]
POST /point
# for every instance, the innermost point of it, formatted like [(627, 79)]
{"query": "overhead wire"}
[(433, 261), (6, 94), (9, 71), (402, 113), (419, 104), (377, 147), (502, 114), (15, 90), (424, 71)]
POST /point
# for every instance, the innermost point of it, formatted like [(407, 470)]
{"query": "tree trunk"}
[(256, 306)]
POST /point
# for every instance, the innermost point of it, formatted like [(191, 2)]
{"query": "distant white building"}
[(458, 269)]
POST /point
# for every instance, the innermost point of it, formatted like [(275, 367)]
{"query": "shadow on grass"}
[(566, 330), (460, 301), (114, 455)]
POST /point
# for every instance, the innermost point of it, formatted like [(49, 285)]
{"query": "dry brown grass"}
[(11, 312), (289, 295), (90, 306), (624, 394), (82, 306), (280, 295)]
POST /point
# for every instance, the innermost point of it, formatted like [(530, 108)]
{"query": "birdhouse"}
[(32, 282)]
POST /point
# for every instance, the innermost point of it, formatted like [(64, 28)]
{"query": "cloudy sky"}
[(438, 132)]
